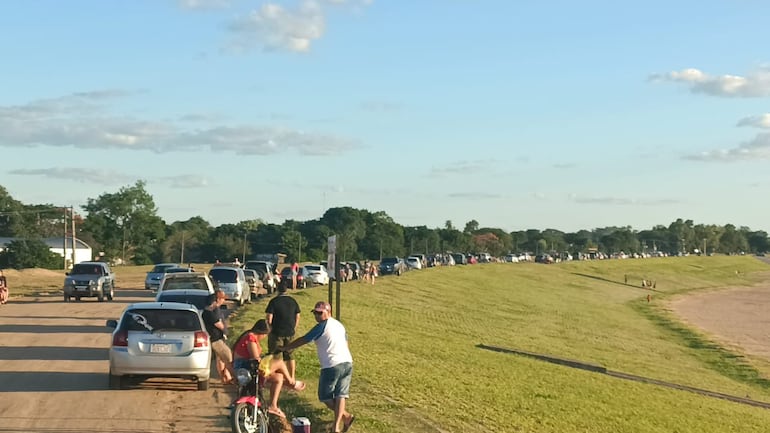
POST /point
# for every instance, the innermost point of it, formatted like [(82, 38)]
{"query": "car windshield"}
[(177, 270), (160, 319), (221, 275), (389, 260), (198, 301), (312, 267), (259, 267), (84, 269), (159, 269), (188, 284)]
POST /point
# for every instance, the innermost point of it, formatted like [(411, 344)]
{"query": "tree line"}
[(125, 226)]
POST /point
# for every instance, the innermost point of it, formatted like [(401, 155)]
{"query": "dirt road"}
[(53, 375)]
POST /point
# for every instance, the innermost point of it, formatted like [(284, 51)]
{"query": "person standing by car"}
[(282, 314), (294, 273), (3, 288), (331, 342), (215, 326)]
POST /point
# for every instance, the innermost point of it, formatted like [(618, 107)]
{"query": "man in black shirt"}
[(215, 326), (283, 317)]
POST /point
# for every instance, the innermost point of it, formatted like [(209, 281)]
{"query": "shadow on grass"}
[(714, 356), (607, 280)]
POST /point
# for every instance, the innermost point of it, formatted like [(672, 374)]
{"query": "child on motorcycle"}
[(247, 348)]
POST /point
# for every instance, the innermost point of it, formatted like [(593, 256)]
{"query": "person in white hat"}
[(331, 342)]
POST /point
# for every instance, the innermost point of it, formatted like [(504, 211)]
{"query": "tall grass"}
[(417, 367)]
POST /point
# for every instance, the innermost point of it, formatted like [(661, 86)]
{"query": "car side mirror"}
[(112, 323)]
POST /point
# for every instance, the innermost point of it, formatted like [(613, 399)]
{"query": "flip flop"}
[(276, 412), (346, 425), (298, 385)]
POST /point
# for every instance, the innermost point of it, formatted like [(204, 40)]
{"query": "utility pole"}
[(64, 239), (243, 258), (299, 249), (72, 216), (181, 250)]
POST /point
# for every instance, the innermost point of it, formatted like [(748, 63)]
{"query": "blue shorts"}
[(335, 382)]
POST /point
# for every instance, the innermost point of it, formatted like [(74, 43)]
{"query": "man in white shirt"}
[(331, 342)]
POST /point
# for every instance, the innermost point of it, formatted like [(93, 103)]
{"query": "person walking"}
[(331, 340), (215, 326), (4, 292), (282, 314)]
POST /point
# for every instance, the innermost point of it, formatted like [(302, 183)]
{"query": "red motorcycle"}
[(249, 411)]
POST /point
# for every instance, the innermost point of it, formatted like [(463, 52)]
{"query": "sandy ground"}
[(53, 375), (737, 317)]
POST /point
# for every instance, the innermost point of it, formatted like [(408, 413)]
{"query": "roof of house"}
[(55, 242)]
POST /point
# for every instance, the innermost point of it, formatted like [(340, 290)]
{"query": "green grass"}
[(417, 368)]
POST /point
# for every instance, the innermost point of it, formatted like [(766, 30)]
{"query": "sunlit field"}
[(417, 366)]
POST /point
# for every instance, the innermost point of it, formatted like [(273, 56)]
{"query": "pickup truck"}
[(89, 279), (392, 265)]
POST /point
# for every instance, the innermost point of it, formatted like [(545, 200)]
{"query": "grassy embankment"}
[(417, 367)]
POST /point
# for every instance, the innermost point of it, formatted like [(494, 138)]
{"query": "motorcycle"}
[(248, 413)]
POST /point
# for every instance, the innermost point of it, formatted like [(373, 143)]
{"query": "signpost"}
[(331, 261)]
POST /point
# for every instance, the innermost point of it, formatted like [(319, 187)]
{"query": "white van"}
[(232, 281)]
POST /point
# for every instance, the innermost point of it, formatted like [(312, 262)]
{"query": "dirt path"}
[(736, 317), (53, 375)]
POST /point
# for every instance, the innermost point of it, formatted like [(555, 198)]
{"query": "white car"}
[(186, 281), (160, 339), (318, 274), (414, 262)]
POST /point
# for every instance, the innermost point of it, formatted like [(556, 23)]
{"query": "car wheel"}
[(77, 298), (67, 298), (203, 385), (116, 382), (100, 297), (110, 295)]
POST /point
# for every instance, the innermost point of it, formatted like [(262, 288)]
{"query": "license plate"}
[(81, 287), (160, 348)]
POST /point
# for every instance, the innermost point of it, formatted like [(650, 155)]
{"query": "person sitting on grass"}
[(247, 348)]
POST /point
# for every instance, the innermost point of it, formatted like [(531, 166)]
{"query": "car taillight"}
[(201, 339), (120, 339)]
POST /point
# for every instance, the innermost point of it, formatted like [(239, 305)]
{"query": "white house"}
[(83, 252)]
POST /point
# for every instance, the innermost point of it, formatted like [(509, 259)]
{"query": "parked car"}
[(392, 265), (355, 269), (414, 262), (89, 279), (197, 298), (152, 280), (303, 277), (317, 274), (186, 281), (266, 273), (255, 284), (232, 281), (460, 259), (159, 339)]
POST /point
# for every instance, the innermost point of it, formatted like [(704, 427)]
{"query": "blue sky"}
[(548, 114)]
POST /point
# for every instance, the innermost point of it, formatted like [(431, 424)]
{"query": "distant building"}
[(83, 251)]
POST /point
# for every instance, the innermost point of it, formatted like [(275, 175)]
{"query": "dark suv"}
[(265, 272), (89, 279), (392, 265)]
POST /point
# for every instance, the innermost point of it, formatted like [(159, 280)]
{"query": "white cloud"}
[(761, 121), (461, 168), (277, 27), (274, 27), (77, 174), (756, 84), (203, 4), (754, 150), (621, 201), (83, 121)]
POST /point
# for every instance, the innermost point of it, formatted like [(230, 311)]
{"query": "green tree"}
[(30, 253), (349, 225), (384, 237), (126, 224)]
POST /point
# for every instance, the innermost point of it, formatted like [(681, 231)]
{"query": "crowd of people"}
[(278, 366)]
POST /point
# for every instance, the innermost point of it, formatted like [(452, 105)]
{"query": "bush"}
[(30, 253)]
